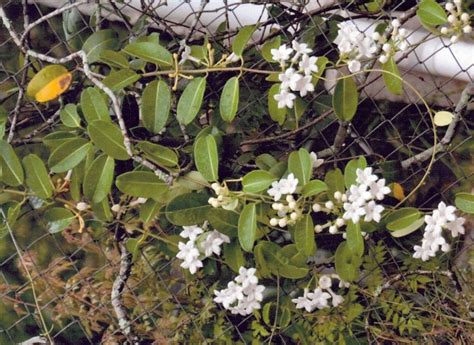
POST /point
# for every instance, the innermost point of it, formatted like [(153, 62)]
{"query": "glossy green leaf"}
[(465, 202), (155, 106), (98, 42), (150, 52), (273, 43), (109, 138), (37, 177), (58, 218), (355, 240), (304, 235), (99, 178), (149, 210), (402, 218), (93, 105), (241, 39), (233, 256), (158, 154), (114, 59), (118, 80), (299, 163), (247, 227), (10, 166), (69, 154), (313, 188), (229, 101), (431, 13), (277, 114), (350, 174), (190, 101), (335, 182), (69, 116), (265, 161), (257, 181), (294, 255), (345, 99), (143, 184), (409, 229), (394, 84), (54, 139), (224, 221), (188, 209), (347, 263), (206, 158)]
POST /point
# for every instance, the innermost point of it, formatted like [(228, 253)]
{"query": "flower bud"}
[(82, 206), (273, 222), (316, 207), (329, 205)]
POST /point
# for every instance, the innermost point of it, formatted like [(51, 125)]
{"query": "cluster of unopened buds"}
[(288, 214), (296, 79), (224, 198), (320, 296), (443, 217), (396, 43), (458, 21), (201, 244), (243, 295)]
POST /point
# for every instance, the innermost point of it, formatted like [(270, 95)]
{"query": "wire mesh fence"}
[(65, 281)]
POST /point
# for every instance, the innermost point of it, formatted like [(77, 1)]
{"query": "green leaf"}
[(229, 101), (313, 188), (206, 158), (188, 209), (304, 235), (37, 177), (69, 154), (69, 116), (93, 105), (150, 52), (9, 212), (273, 43), (98, 42), (248, 227), (269, 257), (431, 13), (465, 202), (402, 219), (58, 218), (159, 154), (265, 161), (294, 255), (149, 210), (109, 138), (277, 114), (346, 263), (224, 221), (133, 246), (102, 210), (350, 174), (118, 80), (394, 84), (76, 181), (355, 241), (233, 256), (190, 101), (257, 181), (143, 184), (299, 163), (54, 139), (155, 106), (99, 178), (335, 182), (409, 229), (11, 171), (241, 39), (345, 99), (114, 59)]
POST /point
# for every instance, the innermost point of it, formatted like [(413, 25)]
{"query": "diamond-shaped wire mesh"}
[(73, 273)]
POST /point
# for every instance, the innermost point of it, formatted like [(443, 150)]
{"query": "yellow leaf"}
[(397, 191), (443, 118), (49, 83), (54, 88)]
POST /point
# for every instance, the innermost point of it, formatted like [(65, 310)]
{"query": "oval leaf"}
[(99, 178), (206, 158), (257, 181), (247, 227), (355, 241), (98, 42), (346, 263), (402, 218), (273, 43), (49, 83), (431, 13), (190, 101), (242, 38), (304, 235), (150, 52), (345, 99), (118, 80), (37, 177), (143, 184), (350, 174), (299, 163), (69, 154), (313, 188), (108, 137), (69, 116), (114, 59), (229, 101), (58, 218), (465, 202), (155, 106), (93, 105), (188, 209), (394, 84), (11, 171), (159, 154)]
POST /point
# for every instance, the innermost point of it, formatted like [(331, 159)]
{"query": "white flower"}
[(294, 80), (246, 277), (300, 49), (304, 302), (281, 54), (378, 189), (373, 212), (213, 242), (284, 186), (303, 85), (434, 222), (354, 65), (186, 55), (456, 226), (286, 77), (359, 194), (284, 99), (423, 253), (315, 162), (319, 298), (308, 64), (325, 282), (191, 232), (446, 213), (188, 251), (365, 176), (192, 265), (353, 211)]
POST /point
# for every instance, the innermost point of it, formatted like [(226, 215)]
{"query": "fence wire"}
[(73, 273)]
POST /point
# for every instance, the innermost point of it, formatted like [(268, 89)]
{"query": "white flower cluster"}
[(361, 197), (294, 79), (243, 295), (318, 298), (458, 21), (353, 46), (224, 199), (442, 218), (284, 186), (197, 248), (397, 42)]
